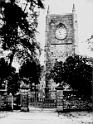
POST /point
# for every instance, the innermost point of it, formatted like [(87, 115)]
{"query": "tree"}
[(8, 74), (30, 70), (57, 72), (75, 72), (79, 74), (13, 83), (5, 71), (18, 27)]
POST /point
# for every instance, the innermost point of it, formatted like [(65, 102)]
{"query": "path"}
[(46, 117)]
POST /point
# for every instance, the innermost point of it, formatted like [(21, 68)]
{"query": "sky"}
[(84, 9)]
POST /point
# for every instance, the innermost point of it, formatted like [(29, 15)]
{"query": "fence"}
[(38, 100), (72, 100)]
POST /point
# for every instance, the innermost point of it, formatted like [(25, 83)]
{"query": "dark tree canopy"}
[(13, 83), (30, 70), (57, 72), (79, 74), (18, 26), (76, 72), (6, 71)]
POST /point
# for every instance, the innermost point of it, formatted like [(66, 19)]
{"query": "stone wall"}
[(6, 102), (74, 101), (3, 104)]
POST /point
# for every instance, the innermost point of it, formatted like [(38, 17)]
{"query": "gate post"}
[(59, 97), (24, 97), (10, 101)]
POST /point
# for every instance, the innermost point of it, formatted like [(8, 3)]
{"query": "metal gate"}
[(41, 102)]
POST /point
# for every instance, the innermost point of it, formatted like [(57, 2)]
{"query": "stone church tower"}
[(61, 38)]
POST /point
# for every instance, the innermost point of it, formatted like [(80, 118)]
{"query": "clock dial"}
[(61, 32)]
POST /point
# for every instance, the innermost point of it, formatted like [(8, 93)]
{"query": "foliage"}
[(30, 70), (18, 26), (5, 71), (18, 23), (79, 74), (57, 72), (76, 72), (8, 74), (13, 83)]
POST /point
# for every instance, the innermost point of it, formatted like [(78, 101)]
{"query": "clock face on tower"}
[(61, 32)]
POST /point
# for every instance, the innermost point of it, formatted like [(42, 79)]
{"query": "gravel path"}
[(46, 117)]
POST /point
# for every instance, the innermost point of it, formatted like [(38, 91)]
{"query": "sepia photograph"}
[(46, 61)]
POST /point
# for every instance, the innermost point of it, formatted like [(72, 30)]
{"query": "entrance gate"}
[(36, 101)]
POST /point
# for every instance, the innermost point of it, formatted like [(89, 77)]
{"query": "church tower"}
[(61, 38)]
